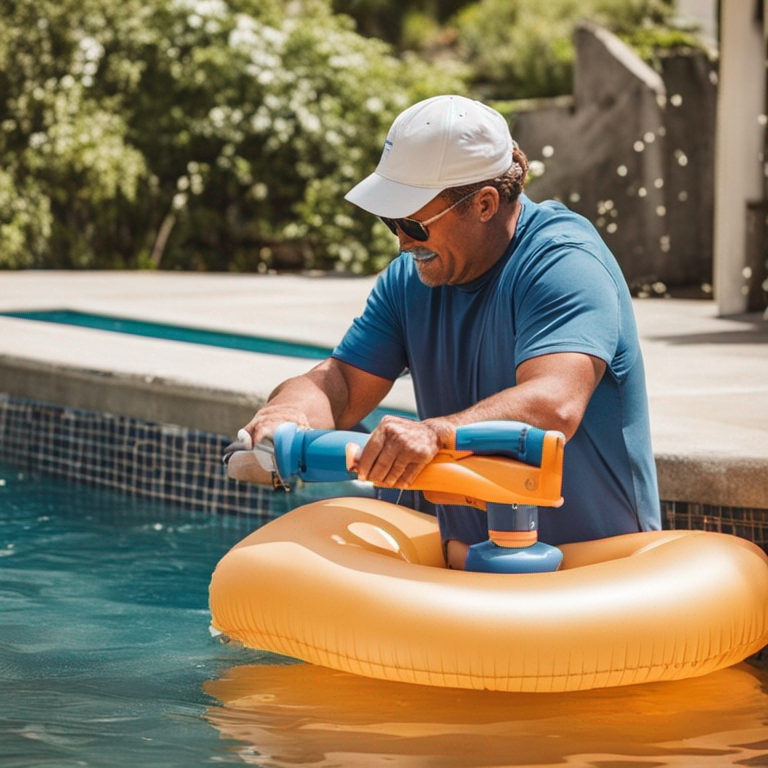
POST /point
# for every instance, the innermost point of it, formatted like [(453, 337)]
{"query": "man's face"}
[(452, 254)]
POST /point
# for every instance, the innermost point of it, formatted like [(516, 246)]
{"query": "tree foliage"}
[(223, 134), (193, 133), (513, 49), (388, 19), (521, 49)]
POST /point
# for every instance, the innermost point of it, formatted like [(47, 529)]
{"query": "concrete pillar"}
[(739, 145)]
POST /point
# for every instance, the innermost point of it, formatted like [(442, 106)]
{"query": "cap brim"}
[(383, 197)]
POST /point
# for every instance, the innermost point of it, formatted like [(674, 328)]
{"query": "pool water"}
[(174, 333), (104, 643), (206, 337), (106, 660)]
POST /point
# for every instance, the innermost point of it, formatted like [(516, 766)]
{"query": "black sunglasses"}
[(417, 230)]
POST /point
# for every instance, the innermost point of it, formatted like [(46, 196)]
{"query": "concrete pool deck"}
[(707, 376)]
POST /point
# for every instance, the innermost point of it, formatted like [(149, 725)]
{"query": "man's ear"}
[(488, 203)]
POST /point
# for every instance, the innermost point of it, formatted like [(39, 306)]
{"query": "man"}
[(502, 309)]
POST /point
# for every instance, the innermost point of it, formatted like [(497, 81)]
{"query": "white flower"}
[(309, 122), (218, 116), (275, 37), (261, 122), (92, 49), (203, 8)]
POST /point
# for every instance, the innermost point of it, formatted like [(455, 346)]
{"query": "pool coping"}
[(711, 479), (707, 376), (143, 397)]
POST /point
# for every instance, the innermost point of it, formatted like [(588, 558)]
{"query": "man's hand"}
[(399, 449), (270, 417), (333, 395)]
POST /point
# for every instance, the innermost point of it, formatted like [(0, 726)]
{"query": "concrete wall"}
[(633, 151), (701, 12)]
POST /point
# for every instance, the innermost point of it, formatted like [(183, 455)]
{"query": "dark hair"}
[(509, 185)]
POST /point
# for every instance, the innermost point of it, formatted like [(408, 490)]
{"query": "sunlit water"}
[(106, 660)]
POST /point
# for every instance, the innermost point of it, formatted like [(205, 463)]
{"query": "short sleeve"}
[(375, 342), (568, 302)]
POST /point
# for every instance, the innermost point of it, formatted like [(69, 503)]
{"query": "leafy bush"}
[(654, 42), (523, 49), (66, 163), (389, 19), (193, 133)]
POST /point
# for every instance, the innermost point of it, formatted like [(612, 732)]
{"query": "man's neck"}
[(495, 243), (514, 215), (501, 236)]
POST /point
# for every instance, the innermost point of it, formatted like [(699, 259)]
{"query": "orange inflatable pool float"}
[(360, 585)]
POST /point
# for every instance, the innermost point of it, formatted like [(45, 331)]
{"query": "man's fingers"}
[(394, 476), (369, 454), (375, 461), (259, 432), (397, 451), (263, 425), (402, 475), (245, 437), (412, 471)]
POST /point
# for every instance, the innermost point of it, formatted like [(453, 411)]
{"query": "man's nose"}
[(406, 243)]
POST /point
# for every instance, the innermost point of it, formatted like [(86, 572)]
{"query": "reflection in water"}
[(307, 715)]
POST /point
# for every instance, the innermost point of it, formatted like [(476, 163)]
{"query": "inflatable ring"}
[(360, 585)]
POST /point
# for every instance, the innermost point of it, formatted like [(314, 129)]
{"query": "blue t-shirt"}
[(557, 288)]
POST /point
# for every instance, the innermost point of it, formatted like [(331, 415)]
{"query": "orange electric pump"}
[(507, 468)]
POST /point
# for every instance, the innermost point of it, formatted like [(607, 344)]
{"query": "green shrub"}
[(67, 167), (394, 20), (193, 133), (652, 43), (523, 49)]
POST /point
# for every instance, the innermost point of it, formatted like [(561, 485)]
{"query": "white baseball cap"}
[(445, 141)]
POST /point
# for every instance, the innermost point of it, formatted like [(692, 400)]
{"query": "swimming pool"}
[(103, 642), (202, 336), (169, 332), (106, 660)]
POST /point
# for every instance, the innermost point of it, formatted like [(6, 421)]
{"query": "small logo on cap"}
[(385, 151)]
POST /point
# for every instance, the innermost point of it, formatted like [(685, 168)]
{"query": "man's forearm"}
[(509, 405), (312, 401), (319, 394), (552, 393), (519, 403), (332, 395)]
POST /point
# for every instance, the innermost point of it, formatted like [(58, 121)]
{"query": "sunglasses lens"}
[(410, 228), (413, 229), (391, 224)]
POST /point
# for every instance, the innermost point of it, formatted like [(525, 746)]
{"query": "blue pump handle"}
[(502, 438), (314, 455), (318, 455)]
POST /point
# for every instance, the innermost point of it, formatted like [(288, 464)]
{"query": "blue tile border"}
[(176, 465), (182, 466), (745, 522)]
